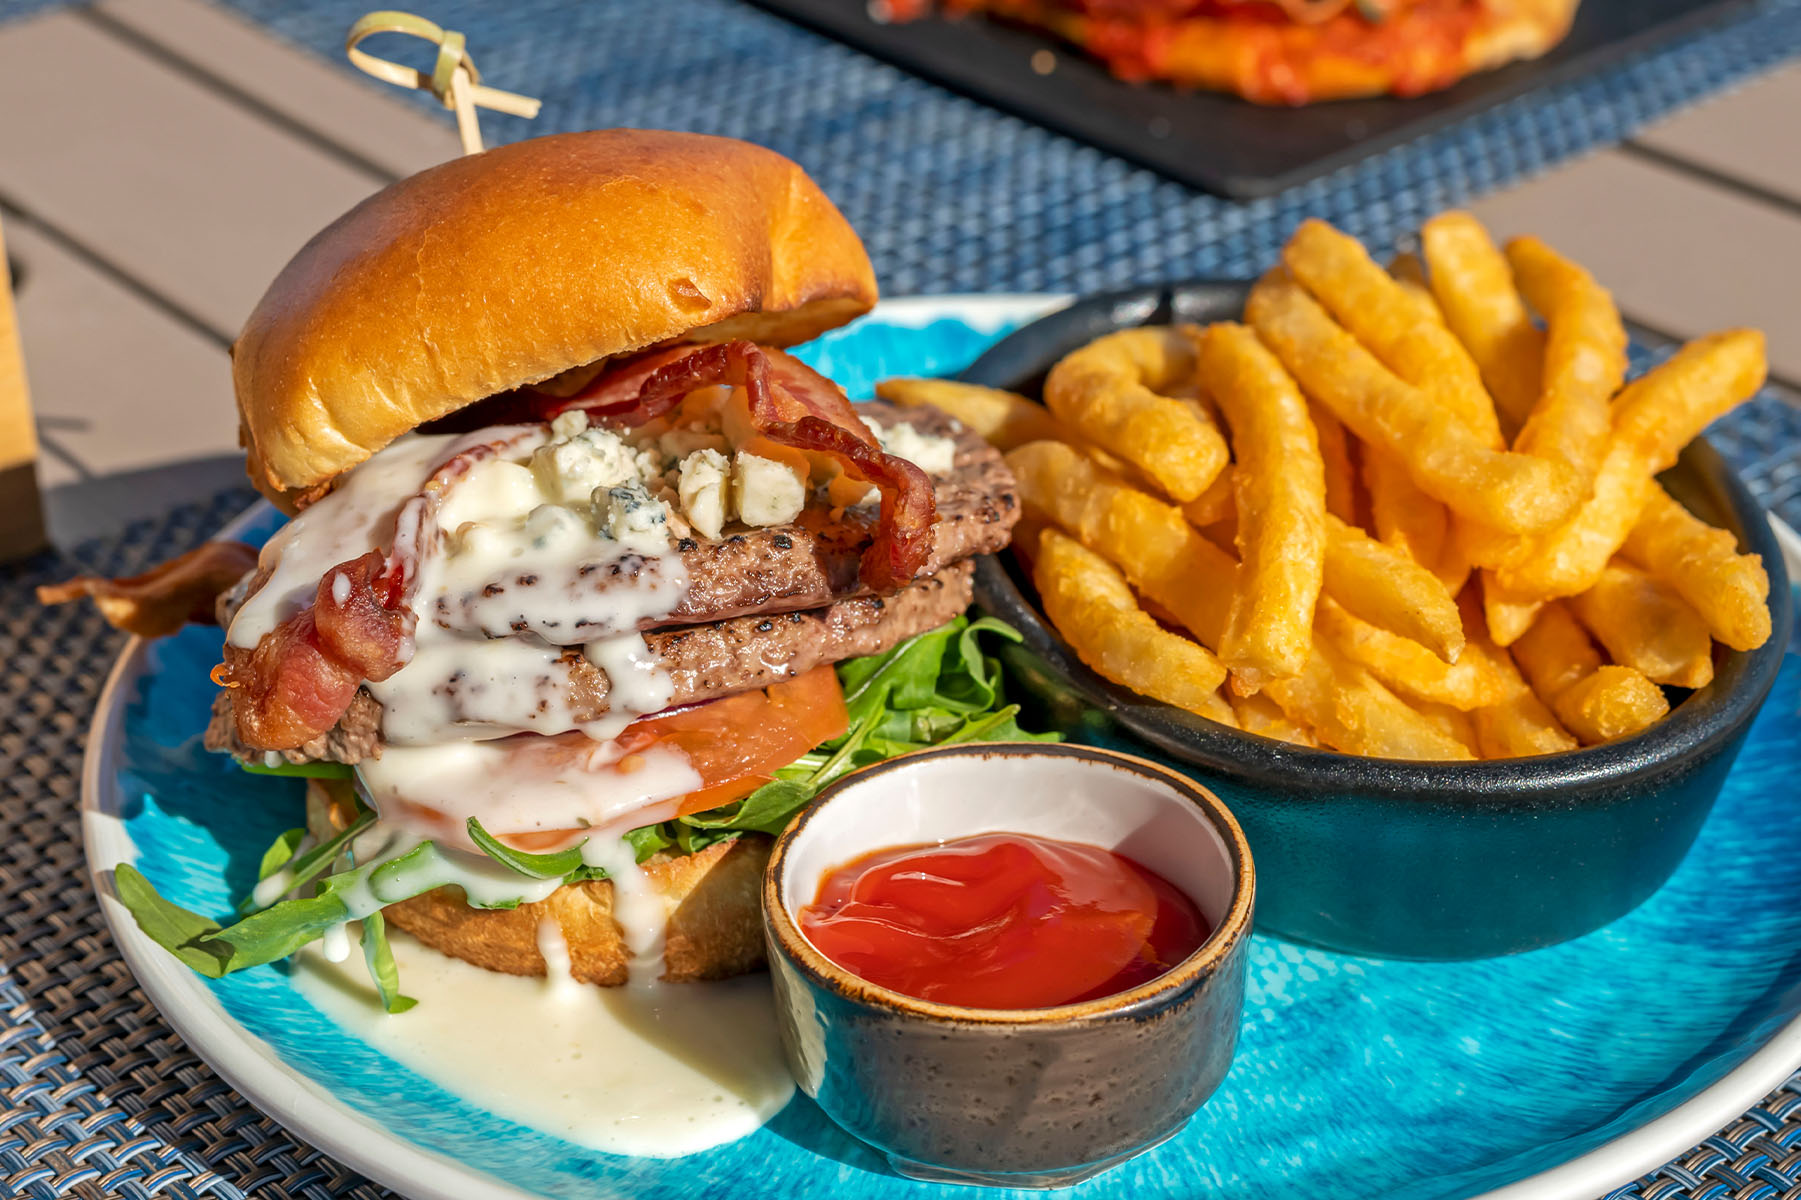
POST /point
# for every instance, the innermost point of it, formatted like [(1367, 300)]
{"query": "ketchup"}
[(1002, 920)]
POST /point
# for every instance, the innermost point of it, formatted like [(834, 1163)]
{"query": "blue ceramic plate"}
[(1558, 1073)]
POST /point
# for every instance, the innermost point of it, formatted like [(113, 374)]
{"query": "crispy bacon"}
[(166, 597), (792, 405), (297, 681)]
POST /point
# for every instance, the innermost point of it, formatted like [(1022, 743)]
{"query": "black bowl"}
[(1401, 859)]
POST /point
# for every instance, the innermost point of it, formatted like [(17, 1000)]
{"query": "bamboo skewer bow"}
[(453, 78)]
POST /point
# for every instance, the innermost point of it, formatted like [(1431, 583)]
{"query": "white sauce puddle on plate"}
[(654, 1072)]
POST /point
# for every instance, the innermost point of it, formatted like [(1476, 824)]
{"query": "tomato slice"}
[(738, 744)]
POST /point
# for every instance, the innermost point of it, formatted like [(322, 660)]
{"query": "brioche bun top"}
[(510, 266)]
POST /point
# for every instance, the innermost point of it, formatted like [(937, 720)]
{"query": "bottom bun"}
[(715, 929)]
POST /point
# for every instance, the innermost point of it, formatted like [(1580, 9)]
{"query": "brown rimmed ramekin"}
[(1013, 1097)]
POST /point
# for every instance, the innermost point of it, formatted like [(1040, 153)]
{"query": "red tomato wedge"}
[(738, 744)]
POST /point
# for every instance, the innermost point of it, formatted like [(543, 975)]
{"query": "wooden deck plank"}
[(363, 118), (199, 200), (117, 384), (1682, 255), (1751, 135)]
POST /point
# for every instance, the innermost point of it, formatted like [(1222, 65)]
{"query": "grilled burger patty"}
[(704, 661)]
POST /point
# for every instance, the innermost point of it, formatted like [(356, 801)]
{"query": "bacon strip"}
[(792, 405), (166, 597), (300, 678)]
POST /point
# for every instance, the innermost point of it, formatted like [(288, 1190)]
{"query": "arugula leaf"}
[(382, 967), (306, 770), (170, 926), (304, 868), (533, 866), (645, 842), (279, 853)]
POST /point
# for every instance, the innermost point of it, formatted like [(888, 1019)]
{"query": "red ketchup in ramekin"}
[(1002, 920)]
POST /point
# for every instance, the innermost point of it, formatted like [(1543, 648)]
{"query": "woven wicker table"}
[(97, 1096)]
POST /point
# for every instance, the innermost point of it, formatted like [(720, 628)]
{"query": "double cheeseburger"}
[(1297, 51), (575, 549)]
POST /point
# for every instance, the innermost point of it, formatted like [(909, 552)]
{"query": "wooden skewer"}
[(453, 79)]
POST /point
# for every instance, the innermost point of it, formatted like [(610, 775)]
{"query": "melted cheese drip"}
[(657, 1072), (526, 786)]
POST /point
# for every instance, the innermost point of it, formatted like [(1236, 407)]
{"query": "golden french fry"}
[(1216, 503), (1585, 358), (1280, 498), (1520, 725), (1091, 606), (1164, 556), (1507, 615), (1512, 492), (1004, 419), (1410, 273), (1349, 710), (1389, 590), (1113, 393), (1453, 723), (1407, 667), (1645, 624), (1341, 469), (1659, 413), (1402, 328), (1260, 715), (1595, 701), (1730, 590), (1403, 516), (1474, 287), (1223, 533)]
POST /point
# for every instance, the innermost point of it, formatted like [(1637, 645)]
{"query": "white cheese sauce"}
[(657, 1072), (529, 785)]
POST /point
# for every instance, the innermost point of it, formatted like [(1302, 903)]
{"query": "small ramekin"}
[(1013, 1097)]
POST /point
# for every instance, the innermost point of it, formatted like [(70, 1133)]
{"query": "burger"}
[(588, 585), (1297, 51)]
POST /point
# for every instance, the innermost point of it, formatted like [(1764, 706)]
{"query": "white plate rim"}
[(300, 1105)]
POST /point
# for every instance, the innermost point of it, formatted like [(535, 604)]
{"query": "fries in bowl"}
[(1407, 513)]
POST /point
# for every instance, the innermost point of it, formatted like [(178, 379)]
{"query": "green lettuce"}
[(935, 689)]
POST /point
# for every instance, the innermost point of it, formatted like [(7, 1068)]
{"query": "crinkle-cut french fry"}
[(1260, 715), (1658, 414), (1730, 590), (1403, 516), (1596, 701), (1341, 468), (1410, 273), (1389, 590), (1513, 492), (1216, 503), (1113, 393), (1508, 614), (1475, 291), (1349, 710), (1164, 556), (1004, 419), (1280, 498), (1585, 358), (1091, 606), (1646, 625), (1520, 725), (1402, 328), (1407, 667), (1453, 723)]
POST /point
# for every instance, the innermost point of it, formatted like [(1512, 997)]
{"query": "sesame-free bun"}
[(508, 267), (715, 924)]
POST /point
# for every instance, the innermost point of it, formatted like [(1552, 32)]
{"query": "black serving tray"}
[(1217, 142)]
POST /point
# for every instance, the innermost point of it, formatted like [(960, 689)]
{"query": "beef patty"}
[(805, 564), (703, 661)]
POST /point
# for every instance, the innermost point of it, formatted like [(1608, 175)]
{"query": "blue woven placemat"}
[(98, 1098)]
